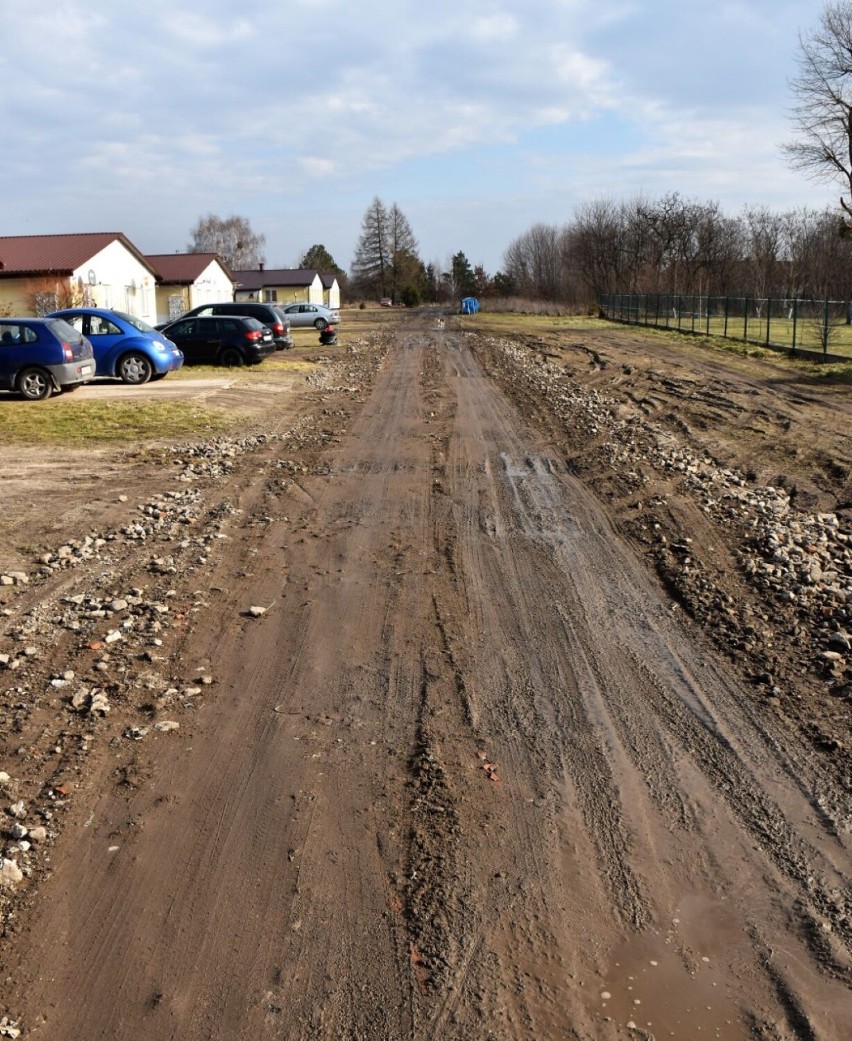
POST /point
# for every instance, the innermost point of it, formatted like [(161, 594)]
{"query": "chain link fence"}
[(820, 328)]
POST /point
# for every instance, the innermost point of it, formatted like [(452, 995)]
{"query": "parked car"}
[(386, 302), (221, 339), (269, 315), (40, 355), (124, 345), (303, 315)]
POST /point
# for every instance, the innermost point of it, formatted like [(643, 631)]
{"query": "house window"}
[(270, 295)]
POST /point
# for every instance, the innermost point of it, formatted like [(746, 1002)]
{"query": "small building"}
[(330, 290), (40, 273), (279, 286), (189, 279)]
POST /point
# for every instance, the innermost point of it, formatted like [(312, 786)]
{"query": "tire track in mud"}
[(636, 726), (688, 710)]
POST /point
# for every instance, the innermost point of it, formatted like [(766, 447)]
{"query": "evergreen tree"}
[(464, 282), (405, 263), (318, 258), (386, 257), (372, 263)]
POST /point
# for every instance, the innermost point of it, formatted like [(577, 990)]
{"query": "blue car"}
[(41, 355), (124, 345)]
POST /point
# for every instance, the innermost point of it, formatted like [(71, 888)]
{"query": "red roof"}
[(184, 268), (56, 254)]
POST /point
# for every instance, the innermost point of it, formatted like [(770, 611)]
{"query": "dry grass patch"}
[(63, 421)]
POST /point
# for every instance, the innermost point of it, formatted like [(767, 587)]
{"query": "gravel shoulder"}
[(487, 687)]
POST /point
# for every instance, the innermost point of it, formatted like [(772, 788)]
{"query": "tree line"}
[(678, 246), (668, 245), (387, 264)]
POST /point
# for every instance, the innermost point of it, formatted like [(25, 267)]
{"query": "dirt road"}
[(483, 729)]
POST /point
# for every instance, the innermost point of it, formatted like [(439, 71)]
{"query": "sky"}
[(479, 118)]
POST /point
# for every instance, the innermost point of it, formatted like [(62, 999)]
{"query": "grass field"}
[(810, 330)]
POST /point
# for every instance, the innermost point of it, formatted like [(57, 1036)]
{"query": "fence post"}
[(795, 320), (768, 317), (825, 328), (745, 320), (726, 318), (707, 308)]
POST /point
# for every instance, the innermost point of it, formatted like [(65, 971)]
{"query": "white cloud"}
[(185, 106), (494, 27)]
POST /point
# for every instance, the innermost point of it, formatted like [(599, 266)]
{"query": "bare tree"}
[(47, 294), (232, 238), (765, 247), (822, 114), (596, 243), (535, 261)]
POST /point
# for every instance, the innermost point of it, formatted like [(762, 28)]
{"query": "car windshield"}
[(137, 323)]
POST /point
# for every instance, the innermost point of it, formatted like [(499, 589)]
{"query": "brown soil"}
[(521, 741)]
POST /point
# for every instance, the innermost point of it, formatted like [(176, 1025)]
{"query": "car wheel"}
[(320, 324), (135, 369), (35, 384), (231, 357)]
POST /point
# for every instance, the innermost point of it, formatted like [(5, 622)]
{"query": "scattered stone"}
[(166, 726), (9, 1027), (10, 874)]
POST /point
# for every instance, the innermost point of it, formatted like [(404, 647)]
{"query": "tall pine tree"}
[(372, 262), (386, 259)]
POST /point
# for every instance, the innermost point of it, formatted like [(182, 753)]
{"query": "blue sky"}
[(478, 118)]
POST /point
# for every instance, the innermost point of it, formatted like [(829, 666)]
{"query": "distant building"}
[(190, 279), (280, 286)]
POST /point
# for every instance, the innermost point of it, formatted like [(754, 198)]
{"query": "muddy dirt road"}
[(434, 713)]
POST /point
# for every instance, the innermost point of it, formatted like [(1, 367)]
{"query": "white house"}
[(189, 279), (39, 273)]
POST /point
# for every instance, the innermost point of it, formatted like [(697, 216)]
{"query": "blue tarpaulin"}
[(470, 305)]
